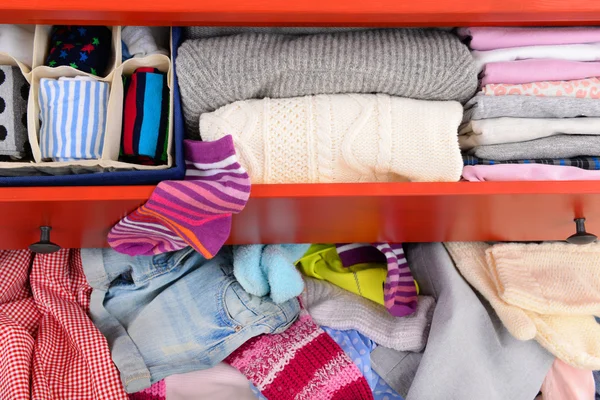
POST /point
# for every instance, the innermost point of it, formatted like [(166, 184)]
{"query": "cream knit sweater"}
[(549, 292), (341, 138)]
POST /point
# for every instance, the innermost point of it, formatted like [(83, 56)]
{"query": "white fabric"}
[(17, 41), (572, 52), (341, 138), (140, 41), (510, 130)]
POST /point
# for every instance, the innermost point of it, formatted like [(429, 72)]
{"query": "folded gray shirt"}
[(516, 106), (426, 64), (559, 146), (469, 353)]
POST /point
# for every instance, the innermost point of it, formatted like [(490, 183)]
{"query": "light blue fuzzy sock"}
[(277, 264), (247, 269)]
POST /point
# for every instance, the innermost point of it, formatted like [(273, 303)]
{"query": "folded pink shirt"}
[(527, 172), (528, 71), (491, 38)]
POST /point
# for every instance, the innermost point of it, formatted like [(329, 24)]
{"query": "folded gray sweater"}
[(423, 64), (559, 146), (516, 106)]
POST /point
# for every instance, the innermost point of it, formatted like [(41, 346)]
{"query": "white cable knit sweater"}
[(341, 138)]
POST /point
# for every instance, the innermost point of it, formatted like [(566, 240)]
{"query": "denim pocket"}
[(244, 309)]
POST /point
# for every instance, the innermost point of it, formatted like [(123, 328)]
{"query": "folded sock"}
[(590, 163), (14, 91), (303, 362), (145, 116), (140, 42), (86, 48), (17, 41), (73, 118), (560, 146), (195, 212), (336, 308)]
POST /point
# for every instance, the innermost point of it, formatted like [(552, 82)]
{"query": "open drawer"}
[(400, 212)]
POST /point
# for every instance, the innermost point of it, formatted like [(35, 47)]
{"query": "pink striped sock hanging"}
[(195, 212), (399, 291)]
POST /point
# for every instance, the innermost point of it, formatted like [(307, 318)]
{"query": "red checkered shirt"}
[(49, 348)]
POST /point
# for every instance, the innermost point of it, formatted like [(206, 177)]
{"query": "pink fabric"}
[(527, 71), (564, 382), (491, 38), (527, 172), (221, 382), (588, 88), (155, 392)]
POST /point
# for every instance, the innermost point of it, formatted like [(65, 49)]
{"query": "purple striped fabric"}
[(399, 290), (195, 212)]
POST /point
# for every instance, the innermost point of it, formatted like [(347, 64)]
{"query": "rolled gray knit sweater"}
[(559, 146), (423, 64)]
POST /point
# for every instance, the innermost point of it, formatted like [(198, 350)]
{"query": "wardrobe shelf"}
[(305, 12), (312, 213)]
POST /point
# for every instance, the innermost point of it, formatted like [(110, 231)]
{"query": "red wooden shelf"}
[(397, 212), (303, 12)]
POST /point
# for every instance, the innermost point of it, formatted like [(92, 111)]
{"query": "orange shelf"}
[(397, 212), (303, 12)]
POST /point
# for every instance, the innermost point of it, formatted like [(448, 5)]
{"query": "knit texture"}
[(559, 278), (341, 138), (302, 363), (336, 308), (423, 64), (155, 392)]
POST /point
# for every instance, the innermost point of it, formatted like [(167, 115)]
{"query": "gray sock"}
[(14, 91)]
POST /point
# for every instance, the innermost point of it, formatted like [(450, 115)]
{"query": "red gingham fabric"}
[(49, 348)]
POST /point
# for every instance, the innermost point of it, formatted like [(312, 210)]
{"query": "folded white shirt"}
[(572, 52), (510, 130)]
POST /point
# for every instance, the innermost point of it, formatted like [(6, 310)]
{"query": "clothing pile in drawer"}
[(537, 116), (86, 104), (329, 105), (280, 322)]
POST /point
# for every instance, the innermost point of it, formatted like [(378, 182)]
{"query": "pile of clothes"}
[(537, 116)]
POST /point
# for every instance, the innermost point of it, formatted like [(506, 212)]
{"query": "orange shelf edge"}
[(304, 12)]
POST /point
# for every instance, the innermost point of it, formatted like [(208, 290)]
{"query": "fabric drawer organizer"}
[(107, 169)]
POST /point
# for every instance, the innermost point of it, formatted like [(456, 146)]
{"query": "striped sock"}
[(399, 291), (195, 212)]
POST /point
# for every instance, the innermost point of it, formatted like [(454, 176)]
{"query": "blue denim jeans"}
[(175, 312)]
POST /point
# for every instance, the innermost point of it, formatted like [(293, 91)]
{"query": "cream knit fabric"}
[(551, 277), (341, 138), (339, 309)]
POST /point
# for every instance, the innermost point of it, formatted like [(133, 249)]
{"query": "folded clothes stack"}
[(538, 104), (334, 106)]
